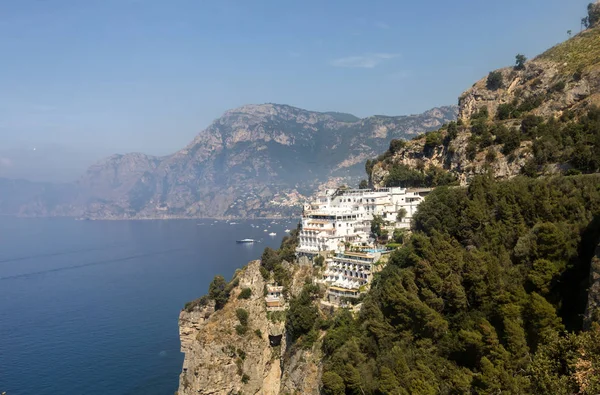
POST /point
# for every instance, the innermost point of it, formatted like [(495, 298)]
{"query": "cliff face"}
[(218, 360), (254, 161), (563, 81)]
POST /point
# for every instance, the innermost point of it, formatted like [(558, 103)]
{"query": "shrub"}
[(452, 131), (264, 273), (217, 291), (240, 364), (558, 87), (471, 150), (241, 329), (333, 384), (482, 113), (396, 145), (511, 142), (245, 378), (520, 62), (531, 103), (593, 14), (242, 316), (401, 214), (258, 333), (319, 260), (490, 156), (529, 123), (203, 301), (245, 294), (505, 111), (302, 314), (269, 258), (432, 140), (495, 80)]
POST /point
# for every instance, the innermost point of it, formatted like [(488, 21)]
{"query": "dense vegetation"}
[(486, 297), (405, 176), (570, 140)]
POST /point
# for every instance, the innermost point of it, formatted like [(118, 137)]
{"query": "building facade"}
[(338, 217)]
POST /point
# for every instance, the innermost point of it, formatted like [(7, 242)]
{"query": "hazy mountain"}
[(256, 160)]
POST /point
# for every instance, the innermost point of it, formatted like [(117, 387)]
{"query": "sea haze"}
[(91, 307)]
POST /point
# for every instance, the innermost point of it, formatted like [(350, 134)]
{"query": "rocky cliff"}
[(516, 119), (254, 161), (220, 360)]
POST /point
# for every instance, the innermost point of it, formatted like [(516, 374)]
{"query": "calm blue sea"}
[(91, 307)]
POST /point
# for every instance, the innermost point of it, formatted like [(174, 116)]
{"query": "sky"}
[(97, 77)]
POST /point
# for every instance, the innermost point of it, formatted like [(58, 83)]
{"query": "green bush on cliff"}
[(242, 316), (302, 315), (245, 293)]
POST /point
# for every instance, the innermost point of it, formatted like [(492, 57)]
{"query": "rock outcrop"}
[(564, 79), (219, 360)]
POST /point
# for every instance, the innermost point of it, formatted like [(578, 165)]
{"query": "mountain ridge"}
[(257, 160)]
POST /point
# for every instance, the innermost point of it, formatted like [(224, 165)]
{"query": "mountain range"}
[(254, 161)]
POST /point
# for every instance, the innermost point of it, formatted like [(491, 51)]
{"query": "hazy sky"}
[(104, 76)]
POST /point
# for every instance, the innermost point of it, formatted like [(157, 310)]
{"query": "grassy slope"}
[(579, 53)]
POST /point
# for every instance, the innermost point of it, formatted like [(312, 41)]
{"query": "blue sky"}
[(103, 76)]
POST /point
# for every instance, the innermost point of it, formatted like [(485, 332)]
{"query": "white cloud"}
[(367, 61), (382, 25)]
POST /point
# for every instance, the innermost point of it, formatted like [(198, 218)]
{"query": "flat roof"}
[(344, 289), (359, 254)]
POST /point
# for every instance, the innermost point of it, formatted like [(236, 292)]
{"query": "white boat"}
[(287, 231), (265, 230), (245, 241), (272, 234)]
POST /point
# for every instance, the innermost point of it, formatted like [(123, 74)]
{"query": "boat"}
[(272, 234), (265, 230), (245, 241), (287, 231)]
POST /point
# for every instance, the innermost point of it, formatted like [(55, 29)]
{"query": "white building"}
[(340, 216)]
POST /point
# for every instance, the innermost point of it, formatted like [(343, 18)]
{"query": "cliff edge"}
[(224, 355)]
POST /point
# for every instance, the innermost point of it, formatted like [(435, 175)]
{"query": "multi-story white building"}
[(341, 216)]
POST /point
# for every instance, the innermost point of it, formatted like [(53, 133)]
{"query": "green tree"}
[(242, 316), (520, 60), (396, 145), (302, 314), (269, 258), (333, 384), (364, 184), (401, 214), (495, 80), (217, 291), (593, 14), (319, 260), (245, 293), (377, 224)]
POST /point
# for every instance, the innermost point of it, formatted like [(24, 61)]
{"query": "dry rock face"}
[(245, 164), (220, 361)]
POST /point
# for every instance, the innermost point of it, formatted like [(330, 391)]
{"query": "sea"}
[(91, 307)]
